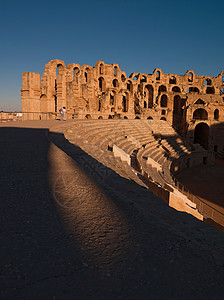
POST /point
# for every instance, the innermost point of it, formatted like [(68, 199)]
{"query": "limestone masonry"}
[(192, 104)]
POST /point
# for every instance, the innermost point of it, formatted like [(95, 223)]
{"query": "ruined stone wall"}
[(104, 91)]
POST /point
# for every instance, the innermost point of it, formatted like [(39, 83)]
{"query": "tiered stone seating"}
[(150, 138)]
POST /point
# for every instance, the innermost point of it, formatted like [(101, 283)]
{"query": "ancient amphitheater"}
[(147, 127), (92, 207)]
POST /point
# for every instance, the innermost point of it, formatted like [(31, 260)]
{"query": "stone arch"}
[(163, 101), (162, 88), (149, 95), (76, 72), (125, 102), (115, 70), (55, 103), (102, 84), (193, 90), (110, 117), (86, 74), (88, 116), (112, 98), (201, 134), (101, 68), (130, 86), (158, 75), (115, 83), (125, 117), (172, 80), (137, 117), (208, 81), (123, 78), (190, 77), (43, 103), (216, 115), (210, 90), (100, 118), (150, 118), (143, 78), (163, 119), (200, 114), (176, 89)]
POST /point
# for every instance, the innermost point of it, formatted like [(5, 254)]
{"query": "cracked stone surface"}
[(66, 234)]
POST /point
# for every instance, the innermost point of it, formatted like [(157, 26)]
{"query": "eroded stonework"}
[(192, 104)]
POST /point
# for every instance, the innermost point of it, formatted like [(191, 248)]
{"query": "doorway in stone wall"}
[(201, 135)]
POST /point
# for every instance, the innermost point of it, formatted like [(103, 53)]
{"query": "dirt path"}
[(69, 234)]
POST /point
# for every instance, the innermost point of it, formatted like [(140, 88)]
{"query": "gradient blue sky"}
[(138, 35)]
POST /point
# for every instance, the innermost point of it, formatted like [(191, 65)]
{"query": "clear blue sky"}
[(138, 35)]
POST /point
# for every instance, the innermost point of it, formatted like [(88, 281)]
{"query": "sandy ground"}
[(69, 234)]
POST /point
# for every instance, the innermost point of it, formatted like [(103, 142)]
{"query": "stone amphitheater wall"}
[(104, 91)]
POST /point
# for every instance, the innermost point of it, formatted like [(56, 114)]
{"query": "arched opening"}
[(162, 88), (101, 68), (216, 115), (200, 114), (150, 118), (86, 74), (124, 103), (130, 86), (125, 117), (110, 117), (145, 104), (172, 80), (201, 135), (59, 71), (143, 79), (112, 99), (115, 83), (163, 119), (199, 101), (88, 116), (123, 78), (101, 84), (137, 117), (221, 91), (135, 78), (190, 77), (158, 75), (75, 72), (163, 112), (137, 105), (149, 95), (179, 113), (193, 90), (43, 103), (176, 89), (208, 81), (100, 118), (163, 101), (115, 71), (177, 104), (210, 90)]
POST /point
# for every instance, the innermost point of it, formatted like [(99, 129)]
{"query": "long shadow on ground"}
[(116, 240)]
